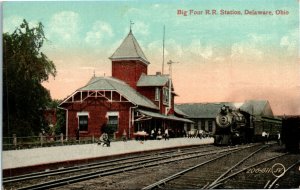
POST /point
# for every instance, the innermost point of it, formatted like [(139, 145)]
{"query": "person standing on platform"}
[(166, 134), (278, 138), (159, 137), (152, 134), (124, 136), (264, 136), (77, 134)]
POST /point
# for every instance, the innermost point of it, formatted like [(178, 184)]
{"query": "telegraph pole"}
[(162, 71), (170, 62)]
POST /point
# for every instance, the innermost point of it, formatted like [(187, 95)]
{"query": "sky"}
[(222, 57)]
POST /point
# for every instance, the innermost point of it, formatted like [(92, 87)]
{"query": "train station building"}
[(128, 101)]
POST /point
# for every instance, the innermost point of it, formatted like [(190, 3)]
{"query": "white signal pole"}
[(170, 62)]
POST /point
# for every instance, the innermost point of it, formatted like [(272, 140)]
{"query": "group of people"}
[(158, 134), (197, 133), (266, 135)]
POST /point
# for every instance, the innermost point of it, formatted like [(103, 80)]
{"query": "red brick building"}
[(130, 100)]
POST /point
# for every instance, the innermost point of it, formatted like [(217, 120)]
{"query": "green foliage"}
[(110, 128), (25, 67), (60, 126)]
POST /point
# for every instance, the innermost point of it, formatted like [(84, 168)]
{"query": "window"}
[(203, 124), (83, 117), (112, 120), (157, 94), (210, 126), (83, 123), (165, 95)]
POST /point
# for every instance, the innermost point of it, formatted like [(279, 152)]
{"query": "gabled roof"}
[(202, 110), (257, 107), (110, 83), (129, 50), (179, 111), (152, 80)]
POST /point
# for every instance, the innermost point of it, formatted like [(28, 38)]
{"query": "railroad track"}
[(130, 165), (263, 174), (274, 183), (130, 179), (81, 167), (102, 164), (64, 172), (206, 175), (266, 174)]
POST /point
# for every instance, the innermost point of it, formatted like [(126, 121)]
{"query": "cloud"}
[(99, 31), (156, 5), (173, 50), (138, 28), (11, 23), (113, 47), (141, 28), (249, 48), (199, 50), (290, 42), (64, 25)]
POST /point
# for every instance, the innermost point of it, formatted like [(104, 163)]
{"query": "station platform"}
[(50, 155)]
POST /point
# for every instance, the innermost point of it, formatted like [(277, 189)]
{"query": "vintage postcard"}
[(150, 94)]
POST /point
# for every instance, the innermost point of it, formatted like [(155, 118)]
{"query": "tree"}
[(60, 126), (25, 67)]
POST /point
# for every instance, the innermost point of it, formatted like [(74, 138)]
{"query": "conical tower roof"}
[(129, 50)]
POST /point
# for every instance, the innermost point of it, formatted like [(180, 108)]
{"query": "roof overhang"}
[(129, 59), (81, 95), (161, 116)]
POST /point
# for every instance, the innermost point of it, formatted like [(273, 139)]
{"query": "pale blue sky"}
[(222, 57), (75, 23)]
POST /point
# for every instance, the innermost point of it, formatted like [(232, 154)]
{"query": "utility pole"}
[(162, 70), (170, 62)]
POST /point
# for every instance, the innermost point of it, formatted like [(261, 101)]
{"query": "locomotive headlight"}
[(224, 120)]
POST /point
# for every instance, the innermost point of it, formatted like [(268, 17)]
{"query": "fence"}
[(14, 142)]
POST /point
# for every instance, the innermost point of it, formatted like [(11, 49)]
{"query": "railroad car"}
[(240, 127), (291, 133)]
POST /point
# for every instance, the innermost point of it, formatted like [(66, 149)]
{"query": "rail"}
[(279, 177), (244, 169), (123, 168), (163, 181)]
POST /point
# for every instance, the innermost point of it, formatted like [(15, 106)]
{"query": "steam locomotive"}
[(240, 127), (231, 125)]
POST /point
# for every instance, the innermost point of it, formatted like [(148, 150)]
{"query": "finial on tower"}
[(131, 23)]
